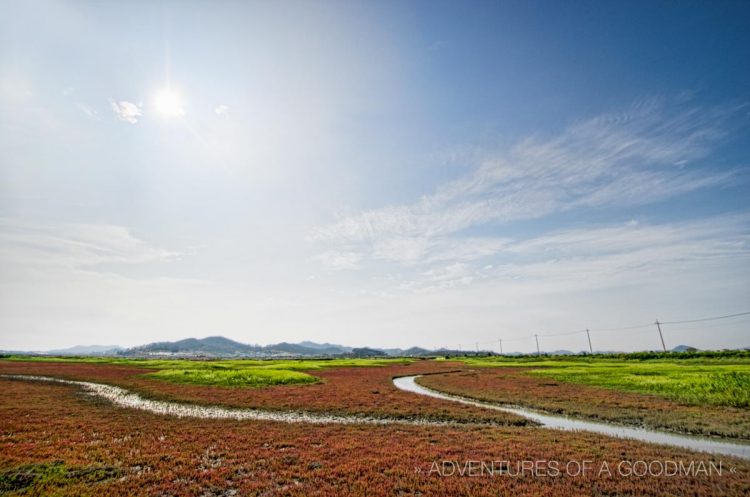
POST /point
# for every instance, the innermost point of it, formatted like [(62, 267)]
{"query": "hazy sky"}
[(376, 173)]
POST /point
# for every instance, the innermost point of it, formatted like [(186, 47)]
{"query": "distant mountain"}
[(416, 351), (87, 350), (211, 346), (218, 346), (367, 352), (299, 349), (322, 346), (684, 348), (411, 352)]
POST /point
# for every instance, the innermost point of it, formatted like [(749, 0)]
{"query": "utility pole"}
[(501, 345), (589, 337), (477, 348), (658, 327), (537, 345)]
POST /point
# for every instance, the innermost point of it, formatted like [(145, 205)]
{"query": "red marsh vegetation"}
[(54, 440), (513, 386), (343, 390)]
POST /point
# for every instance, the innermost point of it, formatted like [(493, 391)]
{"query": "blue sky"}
[(373, 173)]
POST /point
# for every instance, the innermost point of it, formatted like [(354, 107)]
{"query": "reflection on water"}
[(408, 384), (124, 398)]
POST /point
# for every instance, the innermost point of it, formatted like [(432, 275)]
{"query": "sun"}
[(169, 104)]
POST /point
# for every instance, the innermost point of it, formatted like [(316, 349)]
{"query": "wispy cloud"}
[(71, 93), (584, 259), (74, 245), (427, 250), (221, 110), (82, 280), (338, 260), (89, 111), (126, 111), (641, 156), (632, 251)]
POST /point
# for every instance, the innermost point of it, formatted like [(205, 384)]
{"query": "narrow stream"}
[(408, 384), (121, 397), (124, 398)]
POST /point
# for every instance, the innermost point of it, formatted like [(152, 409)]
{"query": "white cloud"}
[(426, 250), (74, 245), (15, 88), (83, 281), (630, 253), (126, 111), (89, 111), (450, 275), (85, 108), (611, 160), (595, 257), (221, 110), (716, 235), (338, 260)]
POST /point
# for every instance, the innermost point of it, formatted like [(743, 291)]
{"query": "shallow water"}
[(408, 384), (124, 398)]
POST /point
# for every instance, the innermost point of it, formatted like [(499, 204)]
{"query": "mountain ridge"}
[(217, 346)]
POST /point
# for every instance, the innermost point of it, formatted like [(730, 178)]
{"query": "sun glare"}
[(169, 104)]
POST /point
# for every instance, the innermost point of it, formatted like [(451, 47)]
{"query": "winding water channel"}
[(408, 383), (123, 398)]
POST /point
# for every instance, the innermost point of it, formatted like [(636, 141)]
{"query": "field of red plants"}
[(512, 386), (55, 440), (350, 390)]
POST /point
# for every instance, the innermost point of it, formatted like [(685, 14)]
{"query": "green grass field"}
[(227, 373), (247, 377), (721, 380)]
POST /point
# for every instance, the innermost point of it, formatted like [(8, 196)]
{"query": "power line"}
[(622, 328), (625, 328), (707, 319), (518, 339), (566, 333)]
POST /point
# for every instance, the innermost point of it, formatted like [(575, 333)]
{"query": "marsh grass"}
[(699, 381), (46, 478), (713, 385), (248, 377), (227, 372), (289, 364)]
